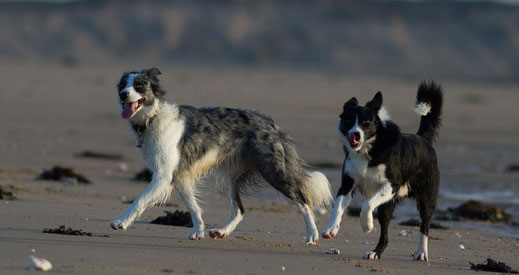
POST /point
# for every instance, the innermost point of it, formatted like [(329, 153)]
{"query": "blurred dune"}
[(447, 39)]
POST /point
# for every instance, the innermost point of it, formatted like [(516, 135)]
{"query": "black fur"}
[(408, 158)]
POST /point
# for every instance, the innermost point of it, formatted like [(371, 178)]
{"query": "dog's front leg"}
[(383, 195), (156, 192), (342, 202)]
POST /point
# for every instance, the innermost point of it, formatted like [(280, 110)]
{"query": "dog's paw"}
[(196, 235), (118, 224), (331, 232), (217, 234), (421, 256), (370, 255), (312, 238), (366, 221)]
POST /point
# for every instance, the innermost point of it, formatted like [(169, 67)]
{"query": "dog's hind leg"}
[(312, 234), (385, 211), (236, 208), (156, 192), (235, 216), (342, 202), (187, 192)]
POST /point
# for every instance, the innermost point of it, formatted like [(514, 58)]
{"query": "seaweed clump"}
[(177, 218)]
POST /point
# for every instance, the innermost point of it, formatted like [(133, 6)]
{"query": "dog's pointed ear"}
[(353, 102), (376, 102), (153, 72)]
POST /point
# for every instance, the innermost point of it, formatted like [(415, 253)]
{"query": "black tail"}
[(429, 103)]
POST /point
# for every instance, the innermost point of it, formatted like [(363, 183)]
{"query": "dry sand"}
[(50, 113)]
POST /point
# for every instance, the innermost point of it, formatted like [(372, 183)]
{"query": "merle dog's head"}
[(358, 125), (137, 90)]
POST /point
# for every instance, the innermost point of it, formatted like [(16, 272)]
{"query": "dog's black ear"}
[(153, 72), (353, 102), (376, 102)]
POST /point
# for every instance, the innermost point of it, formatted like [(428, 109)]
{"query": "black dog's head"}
[(138, 89), (358, 125)]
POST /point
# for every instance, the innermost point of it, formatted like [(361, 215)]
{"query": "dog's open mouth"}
[(130, 108), (354, 142)]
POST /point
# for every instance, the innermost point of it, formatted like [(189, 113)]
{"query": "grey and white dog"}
[(182, 143)]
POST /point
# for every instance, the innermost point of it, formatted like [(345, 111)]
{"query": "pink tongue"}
[(129, 109)]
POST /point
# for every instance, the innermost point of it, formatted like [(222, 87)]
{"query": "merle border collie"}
[(386, 165), (180, 144)]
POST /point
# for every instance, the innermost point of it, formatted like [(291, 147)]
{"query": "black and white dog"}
[(385, 165), (180, 144)]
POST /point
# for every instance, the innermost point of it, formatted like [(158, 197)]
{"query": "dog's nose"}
[(124, 95)]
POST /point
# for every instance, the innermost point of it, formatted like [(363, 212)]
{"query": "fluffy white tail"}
[(317, 190)]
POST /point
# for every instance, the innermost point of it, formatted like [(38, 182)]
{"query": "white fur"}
[(133, 95), (403, 191), (341, 204), (421, 253), (312, 234), (384, 116), (235, 217), (318, 189), (160, 152), (383, 195), (187, 193), (356, 128), (370, 255), (422, 108)]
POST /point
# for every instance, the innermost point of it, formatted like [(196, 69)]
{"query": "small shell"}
[(35, 263), (460, 246), (404, 233), (333, 251)]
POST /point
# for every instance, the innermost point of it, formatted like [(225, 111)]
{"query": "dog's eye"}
[(366, 123), (138, 86)]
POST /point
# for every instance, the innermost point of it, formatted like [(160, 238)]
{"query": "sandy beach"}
[(51, 113)]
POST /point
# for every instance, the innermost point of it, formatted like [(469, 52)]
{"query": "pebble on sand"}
[(460, 246), (333, 251), (35, 263)]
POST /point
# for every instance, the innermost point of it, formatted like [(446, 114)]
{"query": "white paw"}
[(119, 224), (330, 232), (312, 238), (366, 221), (196, 234), (217, 234), (371, 255), (421, 256)]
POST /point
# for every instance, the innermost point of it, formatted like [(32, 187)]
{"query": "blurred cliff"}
[(455, 40)]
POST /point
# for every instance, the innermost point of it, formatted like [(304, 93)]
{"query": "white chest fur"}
[(160, 141), (367, 179)]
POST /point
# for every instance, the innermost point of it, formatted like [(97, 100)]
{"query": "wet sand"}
[(51, 113)]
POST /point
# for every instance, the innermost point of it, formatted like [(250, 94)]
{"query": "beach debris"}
[(405, 233), (123, 167), (493, 266), (512, 168), (100, 155), (69, 231), (8, 196), (59, 173), (460, 246), (476, 210), (144, 175), (416, 222), (333, 251), (36, 263), (366, 242), (177, 218), (320, 211), (283, 268)]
